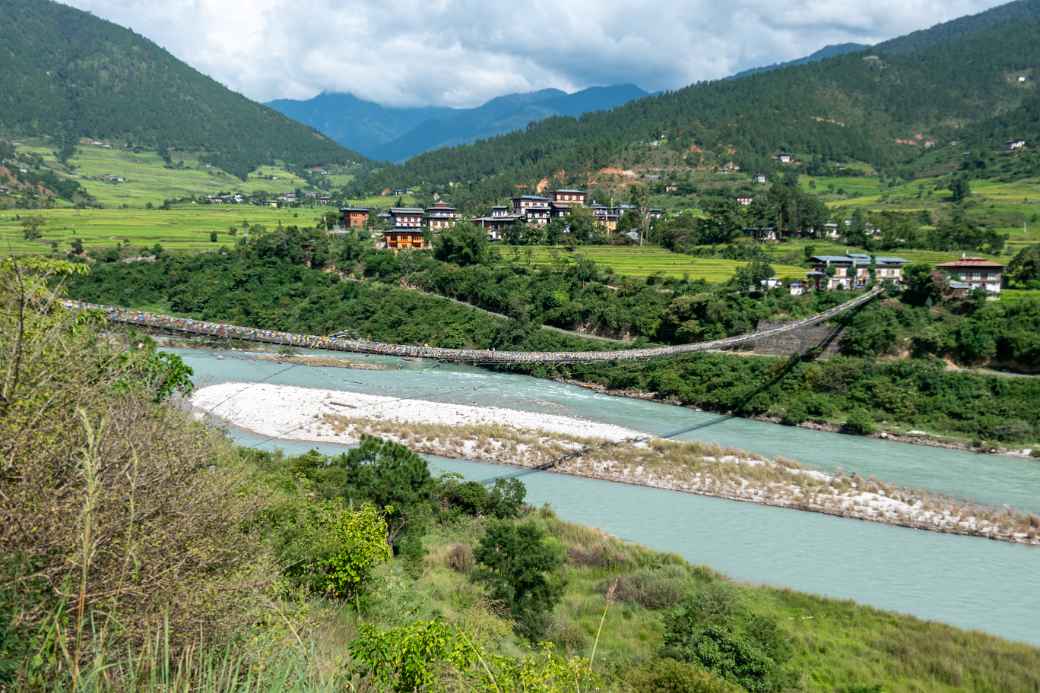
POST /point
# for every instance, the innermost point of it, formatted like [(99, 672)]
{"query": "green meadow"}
[(634, 261), (182, 228), (147, 179)]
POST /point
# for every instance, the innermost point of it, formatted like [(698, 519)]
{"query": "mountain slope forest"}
[(886, 106), (65, 74), (395, 134)]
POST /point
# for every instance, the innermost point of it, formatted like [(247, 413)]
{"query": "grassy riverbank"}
[(139, 550)]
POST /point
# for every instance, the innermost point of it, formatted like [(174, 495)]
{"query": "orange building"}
[(407, 237), (354, 217)]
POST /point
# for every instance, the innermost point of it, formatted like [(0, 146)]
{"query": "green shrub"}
[(859, 423), (713, 629), (671, 676), (652, 588), (521, 570)]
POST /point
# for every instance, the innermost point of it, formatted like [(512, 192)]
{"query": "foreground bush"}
[(119, 517)]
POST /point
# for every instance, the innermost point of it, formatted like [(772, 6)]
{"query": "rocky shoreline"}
[(924, 438), (583, 448)]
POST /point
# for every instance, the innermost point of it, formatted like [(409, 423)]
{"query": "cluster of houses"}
[(407, 226), (289, 199), (858, 270)]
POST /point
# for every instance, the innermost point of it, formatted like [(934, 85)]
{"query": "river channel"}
[(967, 582)]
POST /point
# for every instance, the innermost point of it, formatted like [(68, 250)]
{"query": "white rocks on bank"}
[(298, 413)]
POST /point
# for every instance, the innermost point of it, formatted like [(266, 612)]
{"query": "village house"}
[(853, 271), (784, 158), (406, 217), (441, 216), (760, 179), (1014, 145), (405, 237), (568, 196), (354, 217), (745, 200), (796, 288), (971, 273), (498, 223), (535, 209), (830, 231)]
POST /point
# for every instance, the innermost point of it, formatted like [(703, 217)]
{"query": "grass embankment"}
[(634, 261)]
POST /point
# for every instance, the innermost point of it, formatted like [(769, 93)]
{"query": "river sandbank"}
[(603, 451)]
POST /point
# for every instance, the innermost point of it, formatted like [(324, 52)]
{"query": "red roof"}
[(971, 262)]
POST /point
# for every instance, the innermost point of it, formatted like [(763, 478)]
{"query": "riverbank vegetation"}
[(893, 373), (141, 551)]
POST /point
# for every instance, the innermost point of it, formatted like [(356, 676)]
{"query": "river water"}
[(967, 582)]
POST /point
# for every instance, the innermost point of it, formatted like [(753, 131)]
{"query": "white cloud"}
[(463, 52)]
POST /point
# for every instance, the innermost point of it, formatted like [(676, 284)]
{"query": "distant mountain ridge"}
[(887, 105), (66, 74), (396, 134)]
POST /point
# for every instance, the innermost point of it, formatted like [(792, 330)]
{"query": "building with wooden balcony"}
[(441, 217)]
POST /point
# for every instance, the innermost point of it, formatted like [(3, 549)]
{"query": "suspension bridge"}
[(338, 342)]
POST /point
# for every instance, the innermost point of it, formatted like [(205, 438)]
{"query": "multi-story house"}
[(970, 273), (441, 217), (354, 217), (406, 217), (853, 271)]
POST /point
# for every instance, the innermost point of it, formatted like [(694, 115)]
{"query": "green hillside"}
[(65, 74), (879, 106)]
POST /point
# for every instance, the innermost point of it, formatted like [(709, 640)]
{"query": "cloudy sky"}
[(463, 52)]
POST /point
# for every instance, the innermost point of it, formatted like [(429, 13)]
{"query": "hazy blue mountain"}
[(824, 53), (396, 134)]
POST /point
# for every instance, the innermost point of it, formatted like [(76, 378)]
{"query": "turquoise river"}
[(967, 582)]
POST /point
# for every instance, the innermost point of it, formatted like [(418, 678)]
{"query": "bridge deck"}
[(481, 356)]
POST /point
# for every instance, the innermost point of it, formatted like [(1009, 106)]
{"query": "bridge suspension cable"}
[(478, 356)]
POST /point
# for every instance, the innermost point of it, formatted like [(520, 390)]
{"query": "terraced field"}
[(634, 261), (148, 180), (180, 229)]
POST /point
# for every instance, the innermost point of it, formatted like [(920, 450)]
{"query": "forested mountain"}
[(831, 51), (66, 74), (396, 134), (881, 106)]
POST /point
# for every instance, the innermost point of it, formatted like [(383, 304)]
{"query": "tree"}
[(520, 569), (464, 245), (960, 189), (1024, 268), (392, 477), (31, 227), (713, 629)]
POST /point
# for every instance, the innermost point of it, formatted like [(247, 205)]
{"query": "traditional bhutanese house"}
[(522, 202), (830, 230), (796, 288), (654, 213), (972, 273), (568, 196), (760, 178), (496, 224), (606, 218), (500, 211), (441, 216), (1014, 145), (404, 237), (745, 200), (852, 271), (406, 217), (538, 215), (354, 217), (784, 158)]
